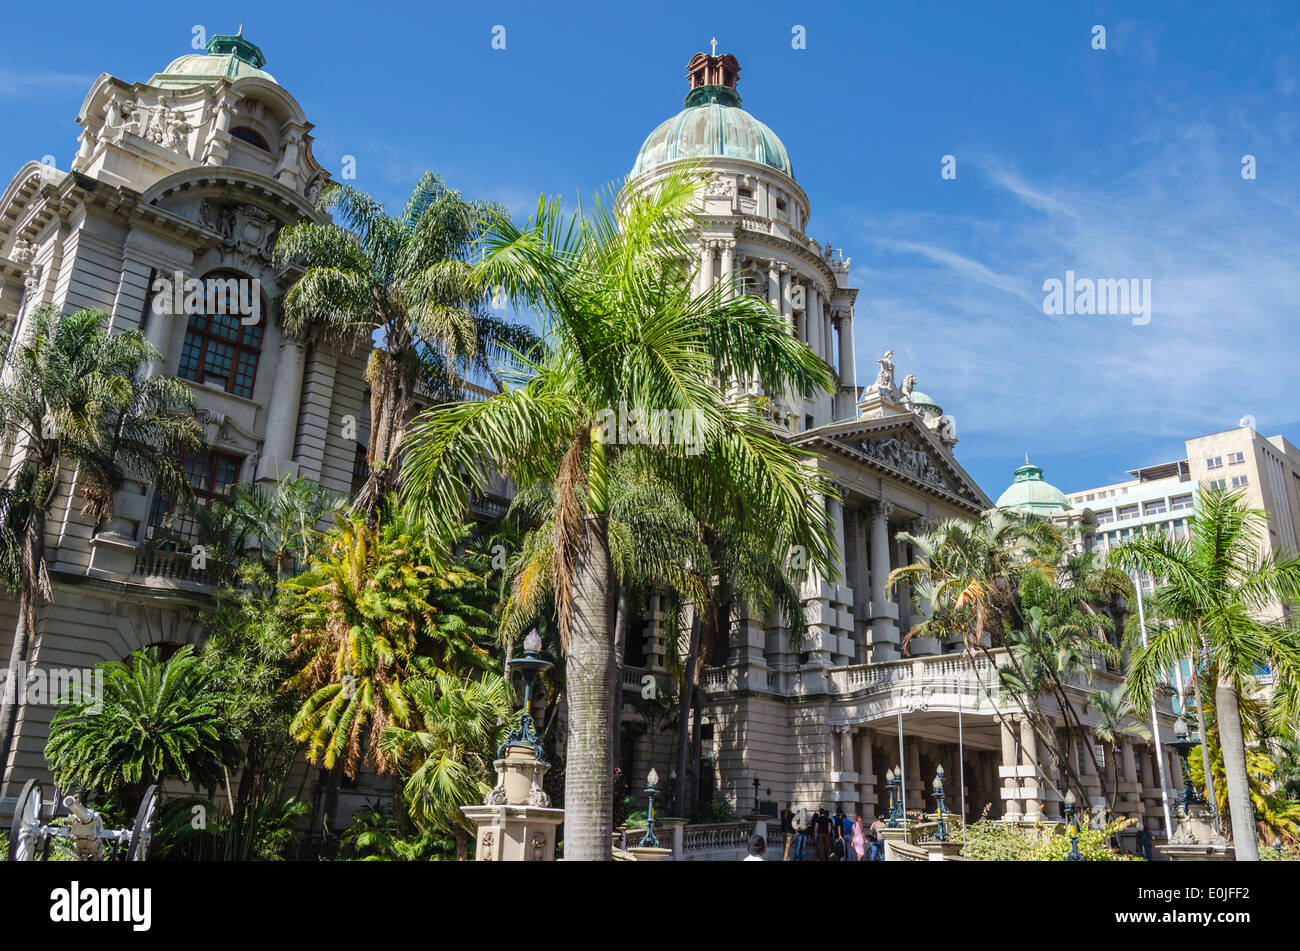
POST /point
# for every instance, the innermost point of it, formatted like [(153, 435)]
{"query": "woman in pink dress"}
[(859, 838)]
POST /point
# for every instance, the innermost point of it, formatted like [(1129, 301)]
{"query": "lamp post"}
[(755, 795), (1183, 745), (890, 785), (531, 664), (941, 833), (1070, 810), (900, 806), (649, 840)]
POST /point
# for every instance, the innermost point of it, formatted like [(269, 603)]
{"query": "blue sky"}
[(1122, 163)]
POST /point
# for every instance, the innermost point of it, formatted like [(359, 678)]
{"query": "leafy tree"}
[(160, 720), (623, 329), (405, 282), (448, 756), (1216, 585), (75, 396)]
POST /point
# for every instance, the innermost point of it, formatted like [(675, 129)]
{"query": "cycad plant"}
[(160, 719), (624, 332), (1219, 589)]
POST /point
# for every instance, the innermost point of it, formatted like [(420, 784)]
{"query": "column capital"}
[(882, 509), (784, 268)]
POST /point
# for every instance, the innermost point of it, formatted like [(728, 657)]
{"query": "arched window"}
[(251, 136), (220, 347)]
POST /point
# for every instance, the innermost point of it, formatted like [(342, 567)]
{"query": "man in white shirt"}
[(757, 849)]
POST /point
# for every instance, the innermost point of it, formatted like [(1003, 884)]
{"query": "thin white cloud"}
[(28, 85)]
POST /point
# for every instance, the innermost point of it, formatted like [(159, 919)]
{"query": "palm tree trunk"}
[(680, 804), (32, 586), (616, 707), (696, 777), (1210, 796), (588, 675), (1233, 742), (462, 845), (10, 690)]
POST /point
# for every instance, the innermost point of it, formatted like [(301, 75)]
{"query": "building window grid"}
[(220, 348), (210, 475)]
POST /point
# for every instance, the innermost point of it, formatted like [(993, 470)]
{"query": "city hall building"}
[(823, 724), (195, 171)]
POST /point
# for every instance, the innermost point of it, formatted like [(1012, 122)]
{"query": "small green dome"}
[(227, 57), (920, 400), (1030, 494)]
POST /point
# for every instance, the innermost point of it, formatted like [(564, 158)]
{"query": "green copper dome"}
[(920, 400), (227, 57), (713, 125), (1030, 494)]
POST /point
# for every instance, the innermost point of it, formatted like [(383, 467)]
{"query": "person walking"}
[(859, 840), (822, 833), (875, 847), (844, 823), (787, 832), (800, 833)]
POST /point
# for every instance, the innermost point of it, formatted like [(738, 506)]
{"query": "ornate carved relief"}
[(245, 228), (900, 453)]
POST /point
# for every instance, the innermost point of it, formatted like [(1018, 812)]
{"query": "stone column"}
[(774, 285), (706, 265), (837, 526), (1029, 752), (1131, 776), (282, 421), (815, 328), (848, 764), (884, 632), (915, 781), (1010, 805), (867, 778), (848, 376), (728, 265)]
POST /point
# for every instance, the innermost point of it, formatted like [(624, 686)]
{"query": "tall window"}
[(219, 347), (210, 474)]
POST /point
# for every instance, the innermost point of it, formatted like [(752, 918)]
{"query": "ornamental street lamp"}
[(890, 785), (900, 807), (941, 833), (531, 664), (1190, 795), (649, 841), (1070, 810), (755, 795)]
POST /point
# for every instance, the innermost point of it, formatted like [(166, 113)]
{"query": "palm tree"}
[(1116, 720), (623, 331), (448, 756), (405, 282), (159, 720), (1001, 581), (75, 396), (1215, 585)]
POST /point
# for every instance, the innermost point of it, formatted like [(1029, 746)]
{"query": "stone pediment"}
[(901, 446)]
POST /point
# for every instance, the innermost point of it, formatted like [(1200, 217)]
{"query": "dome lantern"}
[(712, 125), (1031, 494)]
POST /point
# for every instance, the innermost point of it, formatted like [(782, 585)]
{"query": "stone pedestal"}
[(514, 833), (941, 851), (648, 854), (516, 823), (1194, 838)]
